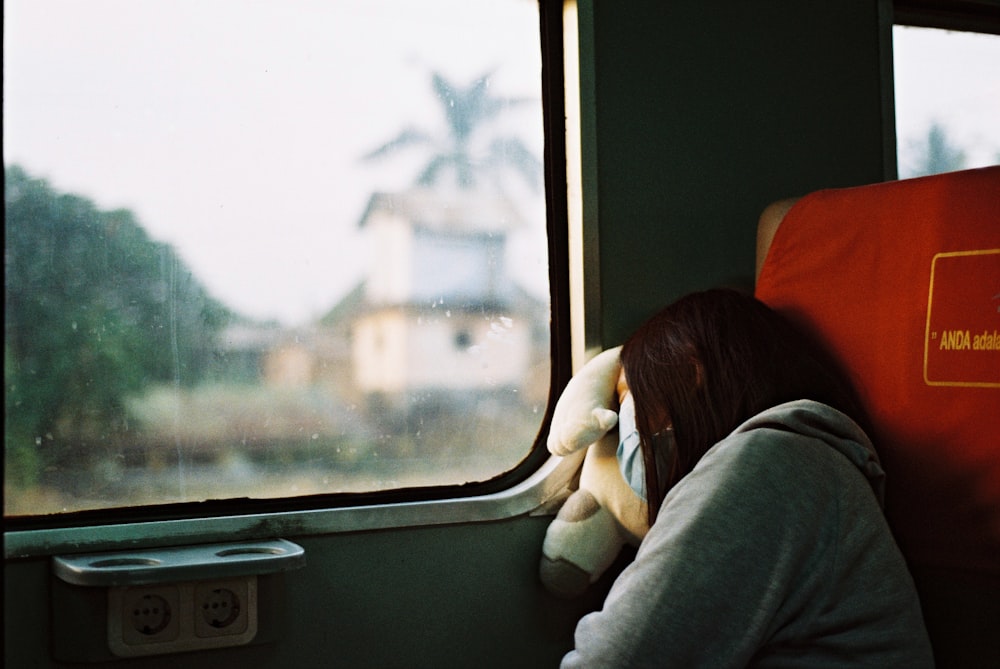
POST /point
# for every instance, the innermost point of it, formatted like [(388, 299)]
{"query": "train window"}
[(947, 91), (270, 250)]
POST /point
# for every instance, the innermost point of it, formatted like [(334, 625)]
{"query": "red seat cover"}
[(902, 281)]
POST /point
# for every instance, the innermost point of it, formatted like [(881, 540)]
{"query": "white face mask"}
[(629, 451)]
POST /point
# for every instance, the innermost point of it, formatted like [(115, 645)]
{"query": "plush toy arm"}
[(602, 516), (593, 525), (580, 544), (585, 411)]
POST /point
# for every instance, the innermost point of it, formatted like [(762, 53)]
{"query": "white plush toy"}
[(604, 513)]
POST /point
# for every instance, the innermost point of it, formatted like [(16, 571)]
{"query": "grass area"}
[(223, 442)]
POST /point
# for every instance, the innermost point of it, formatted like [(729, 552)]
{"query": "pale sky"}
[(959, 87), (234, 128)]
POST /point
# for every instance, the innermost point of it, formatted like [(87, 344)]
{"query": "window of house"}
[(241, 238), (947, 96)]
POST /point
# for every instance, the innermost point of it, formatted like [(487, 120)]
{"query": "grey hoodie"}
[(772, 552)]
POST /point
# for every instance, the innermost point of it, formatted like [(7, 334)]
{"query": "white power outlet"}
[(221, 608), (150, 615), (170, 618)]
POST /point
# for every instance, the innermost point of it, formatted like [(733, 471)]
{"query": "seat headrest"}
[(901, 281)]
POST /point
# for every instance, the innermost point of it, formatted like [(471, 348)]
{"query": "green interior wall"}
[(704, 113)]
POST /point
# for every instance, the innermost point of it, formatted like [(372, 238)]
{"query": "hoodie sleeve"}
[(713, 580)]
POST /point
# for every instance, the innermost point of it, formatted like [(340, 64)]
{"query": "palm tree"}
[(935, 154), (466, 111)]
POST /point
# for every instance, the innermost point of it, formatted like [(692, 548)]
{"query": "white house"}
[(440, 312)]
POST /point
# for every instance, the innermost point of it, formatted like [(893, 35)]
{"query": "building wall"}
[(379, 352), (396, 351), (392, 257), (468, 351)]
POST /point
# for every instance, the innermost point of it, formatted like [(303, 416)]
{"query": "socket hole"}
[(221, 608), (125, 562), (251, 550), (150, 615)]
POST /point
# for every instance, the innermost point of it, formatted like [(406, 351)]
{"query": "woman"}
[(767, 547)]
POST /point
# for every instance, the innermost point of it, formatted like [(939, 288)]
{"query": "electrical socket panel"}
[(175, 617)]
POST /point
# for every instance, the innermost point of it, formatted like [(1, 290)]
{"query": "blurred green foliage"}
[(95, 310), (935, 153)]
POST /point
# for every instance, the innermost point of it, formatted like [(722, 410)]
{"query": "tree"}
[(466, 111), (935, 154), (95, 310)]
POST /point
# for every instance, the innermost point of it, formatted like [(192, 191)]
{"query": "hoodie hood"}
[(824, 423)]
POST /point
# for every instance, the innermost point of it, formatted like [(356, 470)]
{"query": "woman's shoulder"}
[(771, 480), (797, 441), (809, 418)]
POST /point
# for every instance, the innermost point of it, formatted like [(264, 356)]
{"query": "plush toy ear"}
[(585, 411)]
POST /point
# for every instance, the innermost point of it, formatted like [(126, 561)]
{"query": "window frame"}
[(981, 16), (536, 479)]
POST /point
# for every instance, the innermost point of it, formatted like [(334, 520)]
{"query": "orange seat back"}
[(901, 281)]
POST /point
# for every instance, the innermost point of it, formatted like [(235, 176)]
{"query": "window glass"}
[(947, 88), (268, 249)]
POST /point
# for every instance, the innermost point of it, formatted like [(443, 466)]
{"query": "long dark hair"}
[(707, 363)]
